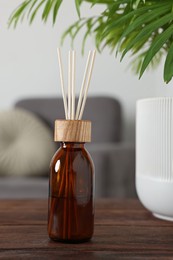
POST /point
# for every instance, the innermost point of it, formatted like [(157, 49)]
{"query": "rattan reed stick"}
[(87, 86), (69, 83), (73, 84), (69, 106), (62, 82), (83, 85)]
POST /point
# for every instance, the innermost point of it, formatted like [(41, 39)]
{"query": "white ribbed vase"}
[(154, 155)]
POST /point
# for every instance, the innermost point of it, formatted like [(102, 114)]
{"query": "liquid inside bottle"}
[(71, 184)]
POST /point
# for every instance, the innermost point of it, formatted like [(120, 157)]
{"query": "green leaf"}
[(33, 14), (146, 32), (89, 26), (102, 1), (127, 40), (78, 3), (168, 67), (56, 9), (139, 26), (136, 63), (158, 43), (100, 27), (47, 9), (144, 19), (126, 18), (76, 27), (137, 2), (32, 6), (14, 18)]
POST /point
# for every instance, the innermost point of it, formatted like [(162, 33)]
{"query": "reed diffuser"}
[(71, 182)]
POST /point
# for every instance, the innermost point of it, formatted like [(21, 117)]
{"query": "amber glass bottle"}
[(71, 184)]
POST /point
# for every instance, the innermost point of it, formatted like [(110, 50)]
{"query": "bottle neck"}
[(72, 145)]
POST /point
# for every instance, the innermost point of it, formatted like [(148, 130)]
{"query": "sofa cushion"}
[(26, 144)]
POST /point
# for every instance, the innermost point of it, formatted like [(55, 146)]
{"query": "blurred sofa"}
[(114, 159)]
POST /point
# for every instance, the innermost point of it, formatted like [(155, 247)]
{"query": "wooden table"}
[(123, 230)]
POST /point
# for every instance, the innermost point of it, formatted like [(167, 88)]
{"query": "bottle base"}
[(71, 241)]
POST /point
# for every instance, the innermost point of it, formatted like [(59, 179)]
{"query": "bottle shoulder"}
[(78, 156), (77, 151)]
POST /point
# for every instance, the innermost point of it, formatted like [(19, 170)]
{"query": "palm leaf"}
[(146, 32), (47, 9), (73, 30), (157, 44), (144, 19), (126, 18), (168, 67), (90, 24), (140, 26), (55, 10), (33, 14), (78, 3), (32, 6), (18, 12)]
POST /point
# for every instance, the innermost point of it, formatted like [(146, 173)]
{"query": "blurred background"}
[(29, 69)]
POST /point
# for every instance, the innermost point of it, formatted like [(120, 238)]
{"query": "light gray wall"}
[(28, 65)]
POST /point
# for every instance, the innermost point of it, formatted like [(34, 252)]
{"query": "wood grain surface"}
[(72, 131), (123, 230)]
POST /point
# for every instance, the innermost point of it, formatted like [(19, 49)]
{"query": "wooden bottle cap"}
[(72, 131)]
